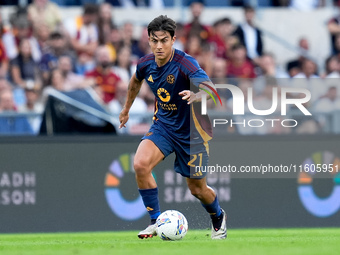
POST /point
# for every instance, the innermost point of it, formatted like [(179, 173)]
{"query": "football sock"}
[(150, 199), (215, 212), (213, 209)]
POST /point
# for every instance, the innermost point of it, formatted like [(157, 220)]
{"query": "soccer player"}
[(178, 125)]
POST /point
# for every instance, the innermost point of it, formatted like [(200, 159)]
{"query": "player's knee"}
[(196, 191), (141, 166)]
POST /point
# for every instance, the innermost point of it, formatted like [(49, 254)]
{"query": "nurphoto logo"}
[(281, 100)]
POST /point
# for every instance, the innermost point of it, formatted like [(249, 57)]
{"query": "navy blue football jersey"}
[(173, 113)]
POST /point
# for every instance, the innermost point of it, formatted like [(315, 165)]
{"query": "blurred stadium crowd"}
[(40, 52)]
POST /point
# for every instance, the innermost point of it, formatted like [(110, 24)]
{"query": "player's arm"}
[(133, 89), (192, 97)]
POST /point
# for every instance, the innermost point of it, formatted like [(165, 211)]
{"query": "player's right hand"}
[(123, 118)]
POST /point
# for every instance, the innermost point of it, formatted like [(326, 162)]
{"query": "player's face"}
[(161, 45)]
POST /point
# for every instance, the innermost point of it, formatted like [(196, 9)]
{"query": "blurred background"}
[(65, 64), (64, 72)]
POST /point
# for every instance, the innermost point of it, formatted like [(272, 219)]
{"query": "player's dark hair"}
[(162, 23)]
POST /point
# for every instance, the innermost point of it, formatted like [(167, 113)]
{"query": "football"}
[(171, 225)]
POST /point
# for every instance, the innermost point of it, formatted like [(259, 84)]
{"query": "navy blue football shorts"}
[(190, 161)]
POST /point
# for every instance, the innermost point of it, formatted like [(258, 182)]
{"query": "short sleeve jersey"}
[(166, 82)]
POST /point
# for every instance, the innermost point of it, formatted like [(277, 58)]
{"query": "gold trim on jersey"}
[(156, 110), (172, 55), (206, 145), (205, 136)]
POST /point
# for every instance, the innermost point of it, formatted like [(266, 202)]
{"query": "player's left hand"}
[(188, 96)]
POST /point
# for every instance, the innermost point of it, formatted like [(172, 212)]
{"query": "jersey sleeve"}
[(193, 70), (141, 68), (139, 74)]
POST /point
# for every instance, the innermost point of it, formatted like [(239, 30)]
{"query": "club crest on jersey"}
[(163, 95), (170, 79)]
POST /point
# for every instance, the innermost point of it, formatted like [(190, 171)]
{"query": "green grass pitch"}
[(239, 241)]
